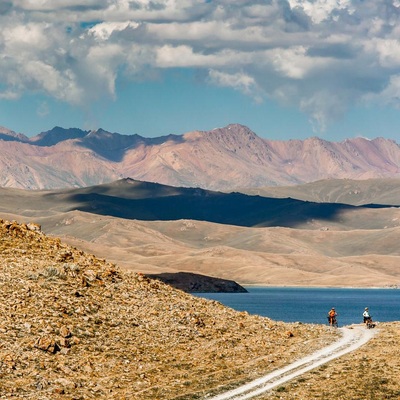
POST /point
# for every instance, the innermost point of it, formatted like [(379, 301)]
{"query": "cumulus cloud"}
[(319, 55)]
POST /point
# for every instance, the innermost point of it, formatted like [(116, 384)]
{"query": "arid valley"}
[(254, 240), (81, 320)]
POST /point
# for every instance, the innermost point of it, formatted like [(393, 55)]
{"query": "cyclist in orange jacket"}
[(332, 314)]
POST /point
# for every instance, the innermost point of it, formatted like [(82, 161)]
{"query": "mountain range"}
[(222, 159), (147, 204)]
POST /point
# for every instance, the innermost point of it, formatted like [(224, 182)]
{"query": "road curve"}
[(352, 338)]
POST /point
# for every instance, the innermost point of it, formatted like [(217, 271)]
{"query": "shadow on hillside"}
[(232, 209), (8, 138), (113, 146)]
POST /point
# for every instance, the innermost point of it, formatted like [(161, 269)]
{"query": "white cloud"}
[(323, 107), (9, 95), (103, 31), (51, 5), (390, 95), (320, 10), (292, 63), (387, 51), (318, 55), (238, 81), (30, 38)]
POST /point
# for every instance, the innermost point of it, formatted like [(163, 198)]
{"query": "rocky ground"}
[(73, 326)]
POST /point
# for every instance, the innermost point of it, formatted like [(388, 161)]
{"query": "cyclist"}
[(366, 315), (332, 317)]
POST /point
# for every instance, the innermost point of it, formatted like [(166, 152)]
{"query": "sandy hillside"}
[(151, 228), (264, 256), (347, 191), (76, 326)]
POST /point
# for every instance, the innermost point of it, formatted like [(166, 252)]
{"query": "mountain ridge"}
[(222, 159)]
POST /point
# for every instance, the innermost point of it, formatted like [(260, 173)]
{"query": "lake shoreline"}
[(256, 285), (311, 304)]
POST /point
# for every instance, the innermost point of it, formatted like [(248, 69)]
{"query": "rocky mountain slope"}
[(197, 283), (78, 327), (222, 159)]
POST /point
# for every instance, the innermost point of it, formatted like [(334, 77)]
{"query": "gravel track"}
[(352, 338)]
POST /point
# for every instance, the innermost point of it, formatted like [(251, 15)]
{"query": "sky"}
[(287, 69)]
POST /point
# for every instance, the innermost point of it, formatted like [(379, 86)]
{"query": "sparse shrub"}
[(52, 273), (71, 269), (33, 277)]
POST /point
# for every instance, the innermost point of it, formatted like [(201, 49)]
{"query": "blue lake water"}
[(311, 305)]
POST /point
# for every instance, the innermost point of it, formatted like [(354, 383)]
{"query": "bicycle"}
[(332, 321), (369, 323)]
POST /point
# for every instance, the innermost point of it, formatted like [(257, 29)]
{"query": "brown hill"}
[(222, 159), (76, 326), (353, 246), (197, 283)]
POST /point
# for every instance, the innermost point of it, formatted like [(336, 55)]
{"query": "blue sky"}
[(286, 69)]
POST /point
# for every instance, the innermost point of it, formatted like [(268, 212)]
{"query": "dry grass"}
[(370, 373)]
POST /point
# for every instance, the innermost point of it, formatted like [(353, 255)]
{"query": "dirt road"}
[(353, 337)]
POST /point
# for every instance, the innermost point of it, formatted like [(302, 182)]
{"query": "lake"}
[(311, 305)]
